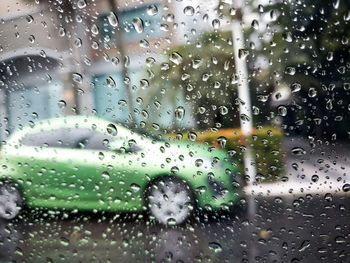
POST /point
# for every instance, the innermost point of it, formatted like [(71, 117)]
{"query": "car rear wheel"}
[(10, 201), (170, 201)]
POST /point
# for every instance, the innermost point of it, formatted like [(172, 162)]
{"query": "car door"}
[(119, 170), (64, 173)]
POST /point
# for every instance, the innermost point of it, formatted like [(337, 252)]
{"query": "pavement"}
[(320, 169), (312, 228)]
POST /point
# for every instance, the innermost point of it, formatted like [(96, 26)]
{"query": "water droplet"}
[(192, 136), (336, 4), (216, 23), (150, 61), (329, 104), (29, 19), (171, 222), (31, 39), (61, 104), (144, 43), (138, 24), (115, 61), (312, 92), (110, 82), (340, 240), (255, 110), (216, 85), (152, 10), (330, 56), (261, 8), (287, 36), (180, 113), (112, 129), (223, 110), (328, 197), (64, 241), (94, 29), (196, 63), (101, 155), (315, 178), (298, 151), (306, 244), (215, 246), (273, 15), (77, 78), (77, 42), (176, 58), (290, 71), (105, 175), (198, 162), (61, 31), (255, 24), (135, 187), (244, 117), (144, 84), (278, 95), (122, 103), (282, 111), (81, 4), (189, 11), (346, 187), (164, 27), (295, 87), (242, 53), (233, 11), (222, 141), (112, 19)]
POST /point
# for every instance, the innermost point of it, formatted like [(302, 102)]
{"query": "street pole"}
[(246, 120)]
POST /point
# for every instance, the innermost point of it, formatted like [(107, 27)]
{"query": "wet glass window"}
[(174, 131)]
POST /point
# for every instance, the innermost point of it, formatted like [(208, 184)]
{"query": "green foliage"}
[(204, 71), (310, 47), (266, 144)]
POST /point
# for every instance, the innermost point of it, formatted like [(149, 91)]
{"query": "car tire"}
[(170, 201), (10, 200)]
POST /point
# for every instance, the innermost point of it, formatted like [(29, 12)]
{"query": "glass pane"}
[(174, 131)]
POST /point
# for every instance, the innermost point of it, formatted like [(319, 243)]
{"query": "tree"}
[(309, 50), (204, 71)]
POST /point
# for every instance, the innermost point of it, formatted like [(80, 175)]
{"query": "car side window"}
[(50, 138), (71, 138), (99, 141)]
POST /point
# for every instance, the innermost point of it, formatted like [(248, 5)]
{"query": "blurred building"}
[(69, 56)]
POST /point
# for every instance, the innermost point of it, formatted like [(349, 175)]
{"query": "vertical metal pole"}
[(244, 96), (246, 121)]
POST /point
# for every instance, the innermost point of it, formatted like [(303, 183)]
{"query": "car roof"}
[(73, 121)]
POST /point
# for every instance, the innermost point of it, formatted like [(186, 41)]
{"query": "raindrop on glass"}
[(113, 19)]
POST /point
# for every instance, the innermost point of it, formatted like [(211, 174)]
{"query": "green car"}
[(86, 163)]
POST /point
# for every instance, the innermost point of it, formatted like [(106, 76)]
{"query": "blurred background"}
[(141, 62), (172, 67)]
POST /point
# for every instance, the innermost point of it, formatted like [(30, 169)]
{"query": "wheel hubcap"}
[(170, 202), (9, 202)]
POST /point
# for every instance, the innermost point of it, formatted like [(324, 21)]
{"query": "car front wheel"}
[(170, 201), (10, 201)]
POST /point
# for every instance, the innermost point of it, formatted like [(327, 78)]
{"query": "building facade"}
[(76, 57)]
